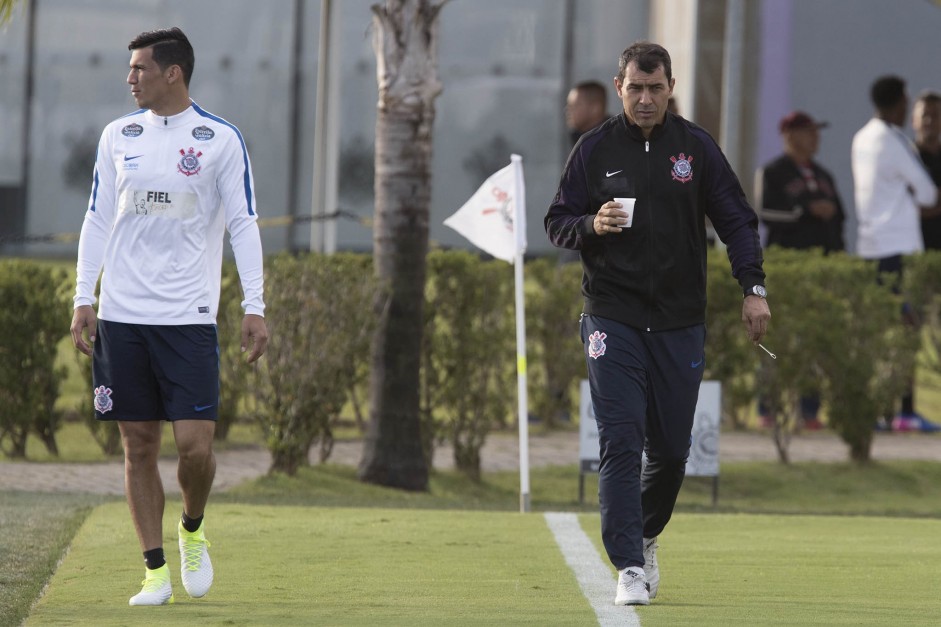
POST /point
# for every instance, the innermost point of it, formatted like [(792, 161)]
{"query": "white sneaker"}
[(632, 588), (156, 588), (195, 566), (651, 570)]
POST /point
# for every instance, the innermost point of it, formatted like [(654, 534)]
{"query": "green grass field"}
[(287, 565), (35, 530), (326, 549), (337, 566), (794, 570)]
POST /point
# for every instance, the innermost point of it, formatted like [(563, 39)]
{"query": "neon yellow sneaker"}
[(156, 588), (195, 565)]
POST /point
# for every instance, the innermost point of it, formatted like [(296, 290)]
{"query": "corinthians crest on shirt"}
[(682, 168), (189, 164)]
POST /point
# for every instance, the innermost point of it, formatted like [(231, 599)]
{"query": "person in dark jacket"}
[(585, 108), (799, 203), (644, 283), (801, 209), (926, 122)]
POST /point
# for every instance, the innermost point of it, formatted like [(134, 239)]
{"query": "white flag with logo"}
[(494, 219)]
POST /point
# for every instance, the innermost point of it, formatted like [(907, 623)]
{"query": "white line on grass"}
[(595, 578)]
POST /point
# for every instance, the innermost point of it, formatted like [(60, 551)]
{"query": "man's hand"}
[(823, 209), (755, 315), (84, 317), (254, 331), (609, 217)]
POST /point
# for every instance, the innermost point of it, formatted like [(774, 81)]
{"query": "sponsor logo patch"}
[(189, 164), (132, 130), (682, 168), (103, 402), (203, 133), (203, 309), (596, 345), (130, 164), (147, 203), (170, 205)]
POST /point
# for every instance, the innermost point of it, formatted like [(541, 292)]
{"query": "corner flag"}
[(494, 219), (490, 219)]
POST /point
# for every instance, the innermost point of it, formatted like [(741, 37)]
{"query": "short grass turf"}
[(729, 569), (286, 565), (35, 530)]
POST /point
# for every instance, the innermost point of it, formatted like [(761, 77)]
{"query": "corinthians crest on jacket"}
[(682, 168), (189, 164)]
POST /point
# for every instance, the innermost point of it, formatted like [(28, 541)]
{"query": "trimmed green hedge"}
[(834, 327), (36, 312), (320, 317)]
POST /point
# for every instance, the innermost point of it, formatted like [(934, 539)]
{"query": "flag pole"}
[(523, 409)]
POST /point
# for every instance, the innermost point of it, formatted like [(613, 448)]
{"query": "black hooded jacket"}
[(652, 276)]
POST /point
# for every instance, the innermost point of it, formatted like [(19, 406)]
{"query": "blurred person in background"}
[(926, 122), (892, 187), (800, 209), (585, 108)]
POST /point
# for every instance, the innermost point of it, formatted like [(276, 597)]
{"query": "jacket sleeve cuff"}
[(751, 281), (587, 227)]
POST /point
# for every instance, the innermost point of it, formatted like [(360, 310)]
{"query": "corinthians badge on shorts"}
[(189, 164), (596, 345), (103, 402), (682, 168)]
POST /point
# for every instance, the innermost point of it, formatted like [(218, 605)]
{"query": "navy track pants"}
[(644, 389)]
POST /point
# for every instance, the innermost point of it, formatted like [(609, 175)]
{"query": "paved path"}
[(500, 453)]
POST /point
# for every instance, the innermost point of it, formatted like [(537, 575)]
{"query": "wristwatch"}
[(757, 290)]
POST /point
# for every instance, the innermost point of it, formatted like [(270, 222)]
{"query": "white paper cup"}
[(627, 204)]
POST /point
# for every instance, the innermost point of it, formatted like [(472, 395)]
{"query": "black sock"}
[(191, 524), (154, 558)]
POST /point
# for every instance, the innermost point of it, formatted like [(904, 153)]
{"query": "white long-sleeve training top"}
[(890, 185), (165, 190)]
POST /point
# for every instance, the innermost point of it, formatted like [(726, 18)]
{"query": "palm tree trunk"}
[(405, 41)]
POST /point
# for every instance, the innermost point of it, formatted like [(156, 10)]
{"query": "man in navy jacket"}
[(644, 285)]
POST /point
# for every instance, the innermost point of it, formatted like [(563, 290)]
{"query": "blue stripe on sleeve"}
[(94, 191), (247, 178)]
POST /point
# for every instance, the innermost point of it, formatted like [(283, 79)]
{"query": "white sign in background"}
[(704, 449)]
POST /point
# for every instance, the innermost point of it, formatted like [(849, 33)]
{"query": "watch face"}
[(758, 290)]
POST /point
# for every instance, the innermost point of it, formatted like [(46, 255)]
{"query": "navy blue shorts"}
[(151, 372)]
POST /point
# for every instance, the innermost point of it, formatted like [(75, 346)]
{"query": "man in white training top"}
[(892, 190), (169, 180)]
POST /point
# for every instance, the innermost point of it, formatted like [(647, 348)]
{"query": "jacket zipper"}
[(650, 241)]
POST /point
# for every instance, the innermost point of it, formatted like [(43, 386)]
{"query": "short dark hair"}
[(170, 47), (648, 56), (929, 97), (595, 91), (887, 92)]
